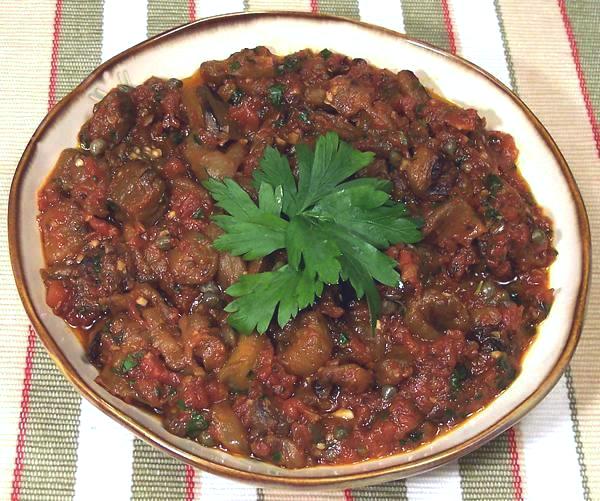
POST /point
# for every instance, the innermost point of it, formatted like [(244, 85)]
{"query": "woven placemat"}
[(53, 445)]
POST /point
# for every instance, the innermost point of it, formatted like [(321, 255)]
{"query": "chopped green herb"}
[(117, 338), (342, 339), (235, 65), (181, 405), (197, 139), (332, 229), (493, 183), (130, 362), (280, 122), (415, 436), (276, 94), (236, 97), (303, 117), (276, 457), (198, 213), (449, 414), (326, 54), (459, 375), (177, 136), (290, 63), (491, 213), (197, 424)]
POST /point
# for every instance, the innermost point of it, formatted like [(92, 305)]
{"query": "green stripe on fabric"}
[(164, 15), (486, 473), (80, 43), (346, 8), (155, 475), (50, 447), (585, 20), (391, 491), (507, 56), (577, 433), (424, 19)]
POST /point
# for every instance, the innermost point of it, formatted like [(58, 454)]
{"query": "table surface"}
[(54, 445)]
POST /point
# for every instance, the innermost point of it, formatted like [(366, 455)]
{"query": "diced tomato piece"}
[(194, 394), (246, 115), (102, 227), (56, 294), (153, 368), (173, 167)]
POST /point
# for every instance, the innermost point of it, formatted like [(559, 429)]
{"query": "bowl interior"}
[(178, 55)]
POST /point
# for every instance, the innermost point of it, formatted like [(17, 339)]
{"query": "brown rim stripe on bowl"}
[(406, 469)]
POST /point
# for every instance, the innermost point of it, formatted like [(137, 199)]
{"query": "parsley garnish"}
[(459, 375), (326, 54), (197, 424), (130, 362), (331, 228), (276, 94), (236, 97)]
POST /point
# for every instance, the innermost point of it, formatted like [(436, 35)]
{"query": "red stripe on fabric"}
[(348, 495), (192, 9), (449, 26), (23, 416), (54, 56), (24, 412), (513, 453), (314, 6), (190, 483), (582, 85)]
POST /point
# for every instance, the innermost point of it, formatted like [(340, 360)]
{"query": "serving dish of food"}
[(301, 264)]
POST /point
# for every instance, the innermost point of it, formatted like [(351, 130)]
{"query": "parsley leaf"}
[(259, 295), (332, 229), (251, 231)]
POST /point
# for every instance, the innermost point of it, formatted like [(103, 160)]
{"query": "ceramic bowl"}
[(178, 53)]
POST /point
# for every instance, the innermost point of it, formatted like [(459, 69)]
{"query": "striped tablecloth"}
[(54, 445)]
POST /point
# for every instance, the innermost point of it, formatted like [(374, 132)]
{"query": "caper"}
[(388, 391), (389, 307), (395, 158), (340, 433), (174, 83), (538, 236), (164, 242), (450, 145), (97, 147), (206, 439), (488, 290), (227, 335)]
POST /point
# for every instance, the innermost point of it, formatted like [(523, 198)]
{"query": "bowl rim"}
[(405, 469)]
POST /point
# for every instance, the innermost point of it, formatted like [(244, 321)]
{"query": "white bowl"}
[(178, 53)]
